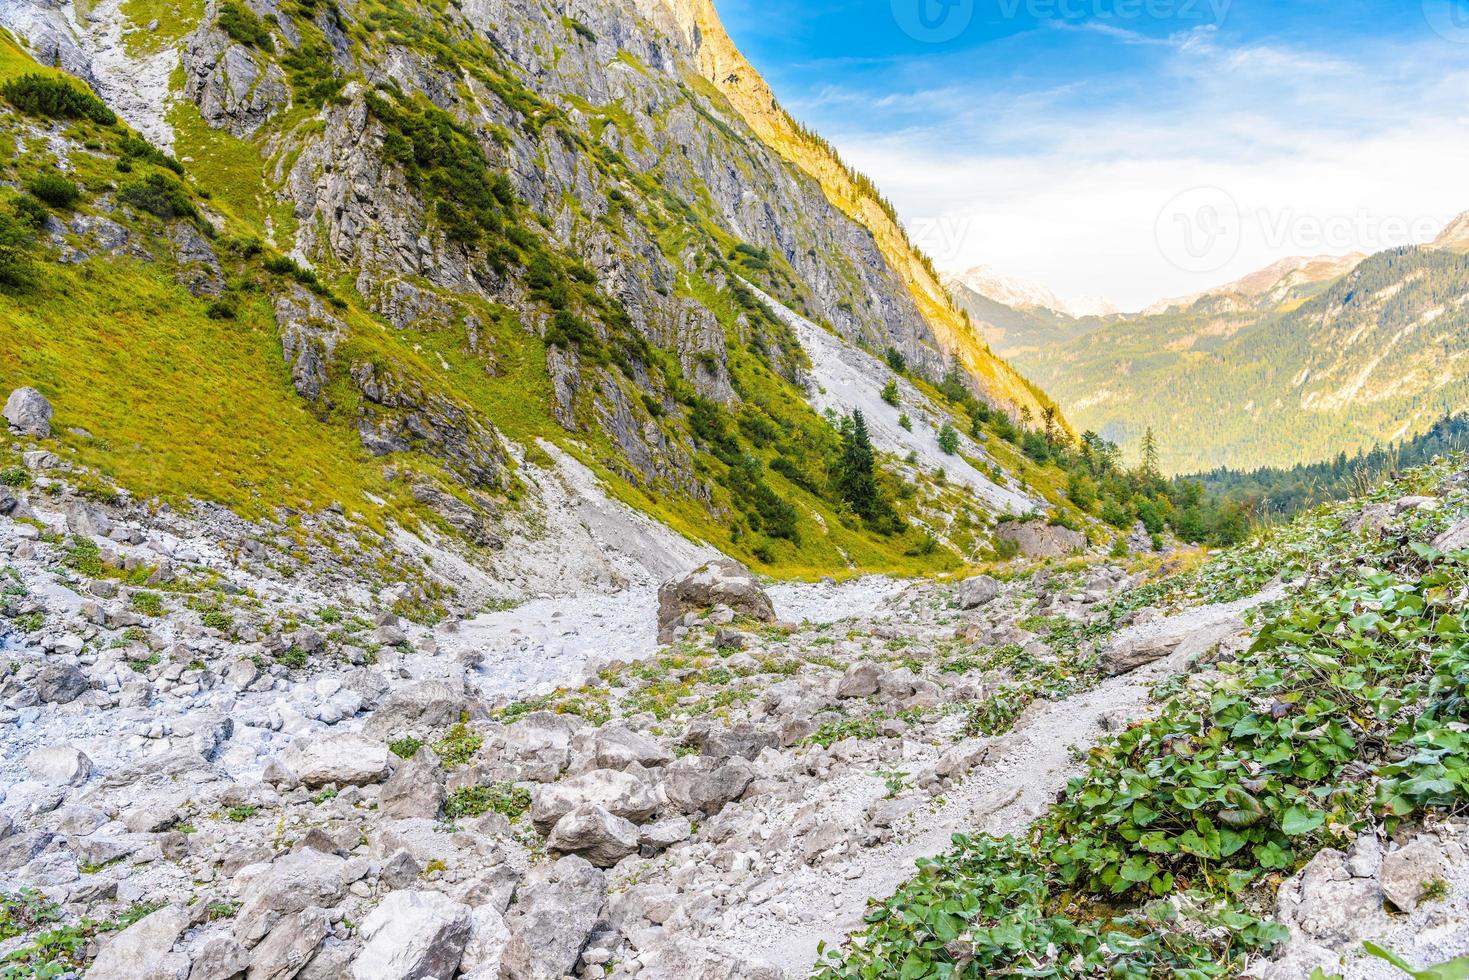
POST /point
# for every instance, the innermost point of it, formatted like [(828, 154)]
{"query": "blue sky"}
[(1135, 149)]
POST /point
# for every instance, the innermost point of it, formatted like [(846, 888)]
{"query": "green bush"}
[(17, 270), (43, 95), (160, 196), (31, 213), (55, 190), (506, 799), (241, 24), (137, 148)]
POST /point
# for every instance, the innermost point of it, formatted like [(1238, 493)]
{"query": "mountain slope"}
[(1295, 364), (463, 234), (855, 196)]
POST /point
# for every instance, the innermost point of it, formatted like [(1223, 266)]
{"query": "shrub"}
[(31, 212), (221, 309), (948, 440), (42, 95), (17, 271), (160, 196), (148, 603), (405, 748), (137, 148), (55, 190), (14, 476), (241, 24), (506, 799)]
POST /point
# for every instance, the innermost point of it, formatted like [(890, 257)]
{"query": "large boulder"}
[(59, 765), (420, 709), (1327, 906), (29, 413), (1037, 539), (617, 747), (413, 935), (144, 950), (542, 738), (978, 591), (346, 759), (1454, 539), (487, 939), (1128, 654), (1409, 872), (557, 911), (620, 793), (723, 581), (60, 684), (294, 883), (696, 786), (601, 837), (416, 788), (290, 946)]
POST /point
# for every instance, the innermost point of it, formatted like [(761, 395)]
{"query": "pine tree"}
[(948, 440), (890, 392), (1150, 469), (856, 476)]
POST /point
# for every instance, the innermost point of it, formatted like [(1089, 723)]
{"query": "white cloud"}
[(1065, 184)]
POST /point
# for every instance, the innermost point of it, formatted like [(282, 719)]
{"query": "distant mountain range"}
[(1294, 363)]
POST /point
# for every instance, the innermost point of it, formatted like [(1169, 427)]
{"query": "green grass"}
[(159, 24), (179, 405)]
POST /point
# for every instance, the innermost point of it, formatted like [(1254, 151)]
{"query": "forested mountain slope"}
[(1315, 364)]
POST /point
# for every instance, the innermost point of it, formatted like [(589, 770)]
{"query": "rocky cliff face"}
[(494, 207)]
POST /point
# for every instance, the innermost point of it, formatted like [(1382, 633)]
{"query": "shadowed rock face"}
[(1037, 539)]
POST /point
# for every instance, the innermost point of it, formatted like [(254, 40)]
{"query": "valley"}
[(486, 493), (1304, 360)]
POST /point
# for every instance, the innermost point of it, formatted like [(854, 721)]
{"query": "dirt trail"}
[(1020, 776)]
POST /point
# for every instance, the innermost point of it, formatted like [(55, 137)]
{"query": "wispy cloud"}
[(1064, 183)]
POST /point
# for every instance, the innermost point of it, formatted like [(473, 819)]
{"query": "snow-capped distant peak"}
[(1023, 294)]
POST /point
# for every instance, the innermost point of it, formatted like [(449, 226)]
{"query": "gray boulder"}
[(1408, 872), (413, 935), (1454, 539), (1128, 655), (290, 946), (61, 684), (29, 413), (416, 788), (488, 937), (601, 837), (346, 759), (144, 950), (723, 581), (616, 747), (860, 681), (1037, 539), (59, 765), (294, 883), (620, 793), (1326, 906), (696, 786), (557, 911), (978, 591)]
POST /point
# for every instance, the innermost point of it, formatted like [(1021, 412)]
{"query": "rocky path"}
[(1018, 777)]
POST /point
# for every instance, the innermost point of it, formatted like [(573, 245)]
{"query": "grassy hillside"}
[(177, 394)]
